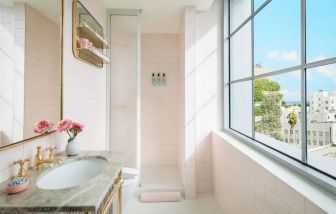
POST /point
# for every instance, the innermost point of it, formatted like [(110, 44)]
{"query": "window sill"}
[(318, 188)]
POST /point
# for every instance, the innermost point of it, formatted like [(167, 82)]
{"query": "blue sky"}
[(277, 43)]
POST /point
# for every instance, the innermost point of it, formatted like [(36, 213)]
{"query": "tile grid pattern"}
[(160, 104), (241, 185), (41, 70), (202, 58), (12, 34)]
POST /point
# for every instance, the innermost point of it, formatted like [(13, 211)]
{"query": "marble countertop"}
[(86, 197)]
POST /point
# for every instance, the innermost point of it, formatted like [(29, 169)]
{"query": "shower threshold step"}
[(161, 179)]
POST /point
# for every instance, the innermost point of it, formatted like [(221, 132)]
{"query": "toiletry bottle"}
[(153, 79), (158, 79), (164, 79)]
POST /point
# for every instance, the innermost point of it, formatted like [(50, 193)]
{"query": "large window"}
[(282, 79)]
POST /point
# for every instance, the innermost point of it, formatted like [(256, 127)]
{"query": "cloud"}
[(291, 96), (291, 56), (326, 70), (297, 75)]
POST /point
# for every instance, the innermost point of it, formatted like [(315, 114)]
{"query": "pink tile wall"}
[(160, 115), (41, 70), (124, 88), (242, 185)]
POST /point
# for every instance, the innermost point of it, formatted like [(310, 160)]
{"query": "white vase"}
[(72, 148)]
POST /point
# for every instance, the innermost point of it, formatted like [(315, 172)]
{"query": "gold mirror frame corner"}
[(61, 73)]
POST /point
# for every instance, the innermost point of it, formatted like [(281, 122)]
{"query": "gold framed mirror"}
[(31, 68)]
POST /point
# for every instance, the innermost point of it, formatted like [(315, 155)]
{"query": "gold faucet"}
[(39, 161), (21, 163)]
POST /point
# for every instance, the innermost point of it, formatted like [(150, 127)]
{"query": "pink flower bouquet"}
[(71, 128), (43, 127)]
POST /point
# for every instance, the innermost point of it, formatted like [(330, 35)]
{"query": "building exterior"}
[(321, 121)]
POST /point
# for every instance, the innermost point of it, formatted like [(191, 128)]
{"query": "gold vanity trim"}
[(117, 188)]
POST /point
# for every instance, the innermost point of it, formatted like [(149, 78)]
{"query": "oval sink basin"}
[(72, 174)]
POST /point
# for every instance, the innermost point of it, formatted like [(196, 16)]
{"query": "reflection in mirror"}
[(30, 67)]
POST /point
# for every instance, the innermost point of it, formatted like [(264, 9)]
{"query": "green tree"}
[(262, 85), (268, 98), (292, 119)]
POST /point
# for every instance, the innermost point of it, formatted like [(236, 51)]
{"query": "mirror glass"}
[(30, 67)]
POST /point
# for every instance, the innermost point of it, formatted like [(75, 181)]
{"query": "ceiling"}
[(159, 16)]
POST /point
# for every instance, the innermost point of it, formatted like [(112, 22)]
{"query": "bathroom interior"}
[(167, 107)]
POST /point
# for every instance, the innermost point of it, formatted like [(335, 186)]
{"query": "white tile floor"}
[(204, 204)]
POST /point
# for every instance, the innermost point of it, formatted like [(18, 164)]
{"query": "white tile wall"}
[(27, 150), (202, 41), (18, 72), (7, 57), (208, 71), (189, 102), (181, 156), (241, 185), (160, 105)]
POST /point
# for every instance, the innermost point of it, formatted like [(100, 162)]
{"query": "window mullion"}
[(252, 60), (303, 83)]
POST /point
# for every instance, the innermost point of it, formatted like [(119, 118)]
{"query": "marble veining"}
[(87, 197)]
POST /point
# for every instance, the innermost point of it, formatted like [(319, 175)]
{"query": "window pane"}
[(321, 29), (277, 34), (258, 3), (241, 53), (278, 112), (321, 117), (240, 10), (241, 107)]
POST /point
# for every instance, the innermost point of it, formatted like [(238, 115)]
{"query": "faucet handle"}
[(51, 149), (21, 163)]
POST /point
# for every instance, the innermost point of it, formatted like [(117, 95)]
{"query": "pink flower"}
[(78, 127), (64, 125), (42, 127)]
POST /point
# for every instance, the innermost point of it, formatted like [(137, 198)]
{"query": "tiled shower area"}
[(177, 104)]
